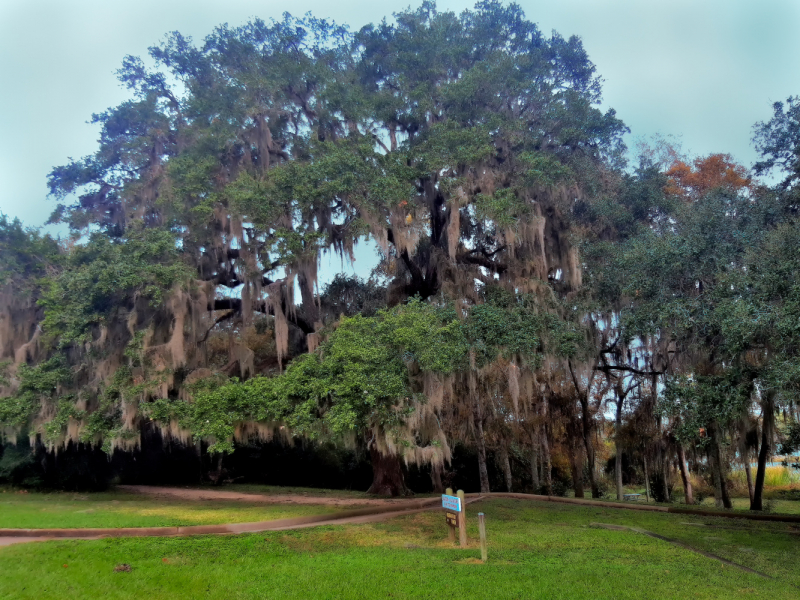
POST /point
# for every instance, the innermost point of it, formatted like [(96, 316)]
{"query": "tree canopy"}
[(527, 275)]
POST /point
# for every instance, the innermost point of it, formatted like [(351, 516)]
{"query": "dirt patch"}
[(469, 561)]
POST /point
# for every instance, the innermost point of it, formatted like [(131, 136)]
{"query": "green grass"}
[(783, 507), (116, 509), (775, 501), (536, 550)]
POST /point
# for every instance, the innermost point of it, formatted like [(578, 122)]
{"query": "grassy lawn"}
[(776, 500), (775, 506), (117, 509), (536, 550)]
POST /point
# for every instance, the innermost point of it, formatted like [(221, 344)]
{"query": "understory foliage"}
[(530, 283)]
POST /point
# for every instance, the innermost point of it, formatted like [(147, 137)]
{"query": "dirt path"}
[(7, 541), (345, 517), (372, 509), (202, 494)]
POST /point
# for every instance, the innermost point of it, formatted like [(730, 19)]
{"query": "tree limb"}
[(609, 368)]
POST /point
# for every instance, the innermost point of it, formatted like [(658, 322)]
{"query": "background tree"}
[(457, 144), (526, 277)]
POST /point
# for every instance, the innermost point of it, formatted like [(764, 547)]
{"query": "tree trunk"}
[(618, 449), (216, 472), (436, 478), (535, 470), (767, 417), (726, 499), (576, 465), (661, 455), (744, 453), (547, 467), (586, 425), (715, 478), (687, 482), (480, 440), (387, 474), (505, 464), (646, 479), (665, 474), (719, 472)]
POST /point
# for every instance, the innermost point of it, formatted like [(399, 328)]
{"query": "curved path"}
[(388, 510), (377, 510), (212, 494), (218, 494)]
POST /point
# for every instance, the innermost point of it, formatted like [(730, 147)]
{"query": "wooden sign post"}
[(462, 520), (451, 519), (455, 515)]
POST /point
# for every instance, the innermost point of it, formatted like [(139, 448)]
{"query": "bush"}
[(658, 490), (560, 488), (605, 486), (17, 466), (629, 472), (789, 495), (562, 480)]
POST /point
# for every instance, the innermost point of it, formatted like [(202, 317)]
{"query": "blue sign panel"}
[(451, 503)]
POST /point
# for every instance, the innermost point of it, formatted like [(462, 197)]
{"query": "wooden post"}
[(462, 521), (482, 528), (451, 531)]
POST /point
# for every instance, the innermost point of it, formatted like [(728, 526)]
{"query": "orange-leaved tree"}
[(705, 174)]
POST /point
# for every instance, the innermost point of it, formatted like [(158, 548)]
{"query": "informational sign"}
[(452, 519), (452, 503)]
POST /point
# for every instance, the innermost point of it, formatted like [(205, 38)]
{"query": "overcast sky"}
[(705, 70)]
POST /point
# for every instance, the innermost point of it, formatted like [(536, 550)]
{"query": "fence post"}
[(482, 528)]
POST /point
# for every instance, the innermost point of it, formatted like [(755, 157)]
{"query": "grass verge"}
[(536, 550), (117, 509)]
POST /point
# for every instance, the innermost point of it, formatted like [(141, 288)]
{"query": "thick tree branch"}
[(610, 368), (482, 261), (235, 304), (217, 321), (487, 254)]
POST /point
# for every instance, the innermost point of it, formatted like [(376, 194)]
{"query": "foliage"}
[(24, 255), (351, 295), (791, 442), (511, 325), (701, 402), (706, 174), (39, 384), (518, 255), (16, 466), (357, 381), (104, 275), (762, 310), (778, 141)]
